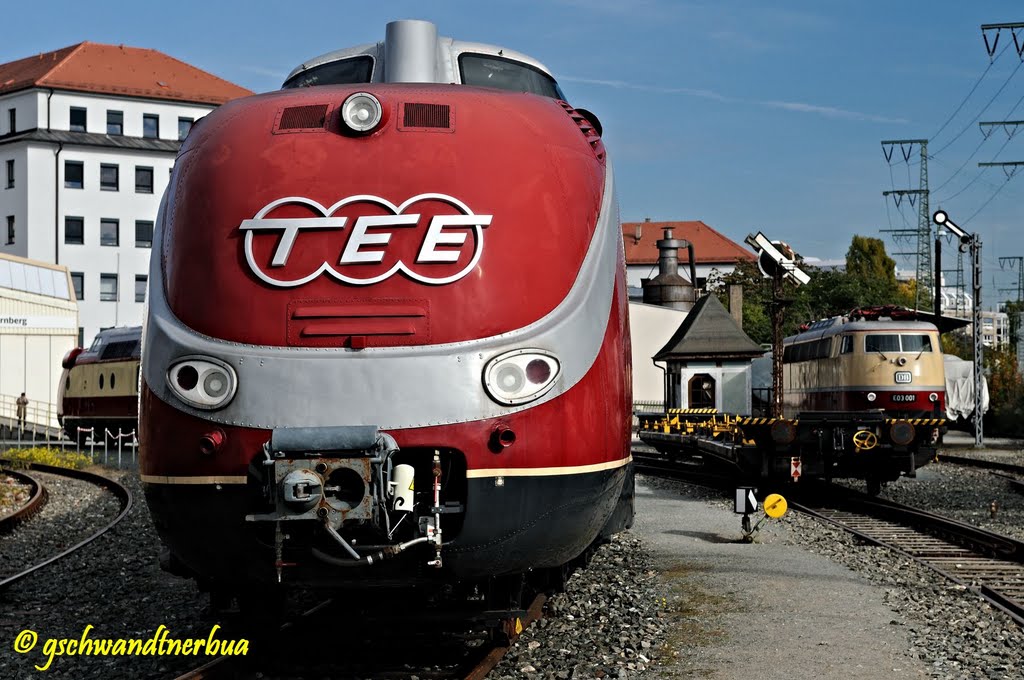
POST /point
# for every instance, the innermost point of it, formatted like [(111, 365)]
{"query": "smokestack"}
[(668, 288)]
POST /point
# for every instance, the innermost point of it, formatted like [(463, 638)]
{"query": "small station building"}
[(707, 361)]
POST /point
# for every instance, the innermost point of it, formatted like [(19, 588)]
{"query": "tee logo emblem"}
[(366, 256)]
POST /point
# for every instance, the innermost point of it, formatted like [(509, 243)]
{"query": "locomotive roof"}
[(839, 324), (114, 343), (416, 42)]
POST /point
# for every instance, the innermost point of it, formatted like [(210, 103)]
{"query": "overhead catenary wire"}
[(968, 95), (985, 108), (990, 199)]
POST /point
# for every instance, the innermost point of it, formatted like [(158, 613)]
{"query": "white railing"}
[(99, 445), (39, 416)]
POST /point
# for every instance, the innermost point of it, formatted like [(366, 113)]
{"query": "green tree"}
[(872, 271)]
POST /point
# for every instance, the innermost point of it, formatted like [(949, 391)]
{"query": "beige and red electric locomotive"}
[(387, 340)]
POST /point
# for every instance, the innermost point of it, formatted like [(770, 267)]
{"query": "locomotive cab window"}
[(882, 343), (482, 70), (341, 72), (916, 343), (846, 344)]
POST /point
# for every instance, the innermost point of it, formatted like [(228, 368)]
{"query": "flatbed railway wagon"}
[(864, 397)]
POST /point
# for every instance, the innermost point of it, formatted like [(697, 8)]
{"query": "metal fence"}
[(39, 416), (118, 448)]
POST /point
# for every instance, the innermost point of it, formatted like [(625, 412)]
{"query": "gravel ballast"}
[(677, 596), (75, 510)]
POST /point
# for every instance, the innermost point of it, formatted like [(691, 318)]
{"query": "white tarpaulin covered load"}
[(960, 388)]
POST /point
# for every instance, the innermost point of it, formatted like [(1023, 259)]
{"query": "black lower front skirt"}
[(512, 524)]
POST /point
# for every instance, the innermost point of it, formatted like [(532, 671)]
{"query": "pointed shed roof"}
[(709, 332)]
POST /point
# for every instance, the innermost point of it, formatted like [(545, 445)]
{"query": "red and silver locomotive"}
[(386, 340)]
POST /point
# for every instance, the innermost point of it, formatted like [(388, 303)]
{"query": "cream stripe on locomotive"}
[(103, 379), (470, 474)]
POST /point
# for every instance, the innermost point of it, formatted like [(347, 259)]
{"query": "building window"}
[(115, 122), (10, 229), (74, 172), (702, 391), (78, 282), (12, 119), (184, 125), (77, 120), (108, 287), (150, 125), (143, 234), (108, 177), (108, 232), (140, 287), (143, 180), (74, 230), (10, 174)]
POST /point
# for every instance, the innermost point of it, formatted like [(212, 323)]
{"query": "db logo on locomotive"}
[(442, 241)]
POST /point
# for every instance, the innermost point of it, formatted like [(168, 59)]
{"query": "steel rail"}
[(534, 612), (483, 660), (123, 495), (36, 502), (987, 563), (981, 463)]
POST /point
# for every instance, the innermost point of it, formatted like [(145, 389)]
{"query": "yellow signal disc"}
[(775, 506)]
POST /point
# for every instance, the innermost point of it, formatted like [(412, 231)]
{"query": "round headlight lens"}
[(361, 112), (215, 383), (202, 382), (933, 397), (520, 376), (871, 396)]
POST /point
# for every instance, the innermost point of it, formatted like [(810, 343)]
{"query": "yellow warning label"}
[(775, 506), (412, 485), (519, 626)]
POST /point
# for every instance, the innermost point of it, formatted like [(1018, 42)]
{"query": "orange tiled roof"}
[(709, 246), (118, 70)]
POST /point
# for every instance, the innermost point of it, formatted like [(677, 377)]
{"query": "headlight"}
[(361, 112), (871, 396), (933, 397), (520, 376), (202, 382)]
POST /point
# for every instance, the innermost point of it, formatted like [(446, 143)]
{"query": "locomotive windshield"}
[(486, 71), (341, 72), (898, 343)]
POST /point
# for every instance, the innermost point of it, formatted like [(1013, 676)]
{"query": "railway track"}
[(288, 654), (1014, 474), (988, 563), (36, 502), (123, 495)]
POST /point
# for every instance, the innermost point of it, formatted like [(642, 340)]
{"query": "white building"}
[(88, 137), (38, 325), (995, 329)]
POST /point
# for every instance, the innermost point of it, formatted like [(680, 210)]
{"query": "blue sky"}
[(744, 114)]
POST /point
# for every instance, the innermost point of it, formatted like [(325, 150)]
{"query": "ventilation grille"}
[(437, 117), (587, 129), (303, 117), (120, 350), (358, 323)]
